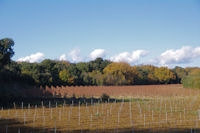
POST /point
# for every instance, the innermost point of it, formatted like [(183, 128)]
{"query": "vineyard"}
[(136, 109)]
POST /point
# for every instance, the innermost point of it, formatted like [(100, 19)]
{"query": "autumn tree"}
[(65, 76), (119, 74), (165, 75)]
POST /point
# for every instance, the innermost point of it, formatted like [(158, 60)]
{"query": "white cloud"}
[(129, 57), (97, 53), (32, 58), (63, 57), (196, 52), (75, 55), (183, 55)]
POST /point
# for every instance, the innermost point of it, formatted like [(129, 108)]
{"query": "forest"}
[(97, 72)]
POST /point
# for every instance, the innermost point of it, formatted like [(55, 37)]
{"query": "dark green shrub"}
[(105, 97)]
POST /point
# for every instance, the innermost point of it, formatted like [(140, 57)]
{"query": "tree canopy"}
[(96, 72), (6, 51)]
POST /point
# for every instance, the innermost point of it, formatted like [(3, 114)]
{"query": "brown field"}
[(121, 91), (154, 109)]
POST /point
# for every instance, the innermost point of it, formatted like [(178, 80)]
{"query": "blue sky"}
[(137, 31)]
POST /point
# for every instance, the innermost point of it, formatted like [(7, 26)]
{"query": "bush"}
[(105, 97)]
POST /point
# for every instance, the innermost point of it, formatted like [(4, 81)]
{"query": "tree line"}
[(96, 72)]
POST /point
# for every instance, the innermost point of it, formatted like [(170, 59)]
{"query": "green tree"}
[(147, 74), (96, 77), (180, 73), (6, 51), (50, 67), (83, 67), (98, 64)]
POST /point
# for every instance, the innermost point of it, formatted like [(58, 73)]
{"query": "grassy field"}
[(156, 112)]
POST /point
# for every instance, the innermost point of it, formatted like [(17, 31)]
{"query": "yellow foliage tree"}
[(119, 74), (65, 76), (165, 75)]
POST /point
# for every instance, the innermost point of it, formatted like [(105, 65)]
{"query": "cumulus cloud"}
[(196, 52), (97, 53), (129, 57), (63, 57), (75, 55), (183, 55), (32, 58)]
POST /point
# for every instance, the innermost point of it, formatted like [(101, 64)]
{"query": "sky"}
[(157, 32)]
